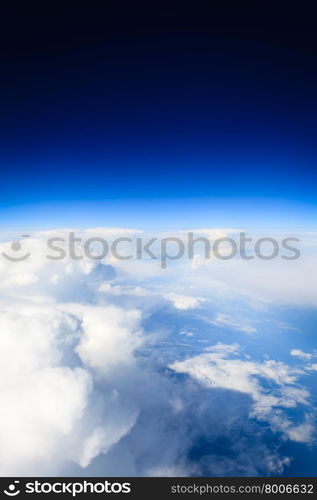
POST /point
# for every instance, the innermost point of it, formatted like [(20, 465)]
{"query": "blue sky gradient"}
[(211, 108)]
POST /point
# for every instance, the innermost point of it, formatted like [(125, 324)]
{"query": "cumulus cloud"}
[(49, 415), (109, 338)]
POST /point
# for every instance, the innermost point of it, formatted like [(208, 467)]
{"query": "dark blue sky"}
[(152, 103)]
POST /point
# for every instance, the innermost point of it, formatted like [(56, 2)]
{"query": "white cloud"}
[(301, 354), (239, 324), (110, 337), (215, 369), (184, 302)]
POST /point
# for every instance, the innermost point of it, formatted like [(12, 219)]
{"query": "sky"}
[(157, 115)]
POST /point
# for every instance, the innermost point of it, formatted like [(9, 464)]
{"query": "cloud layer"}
[(100, 372)]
